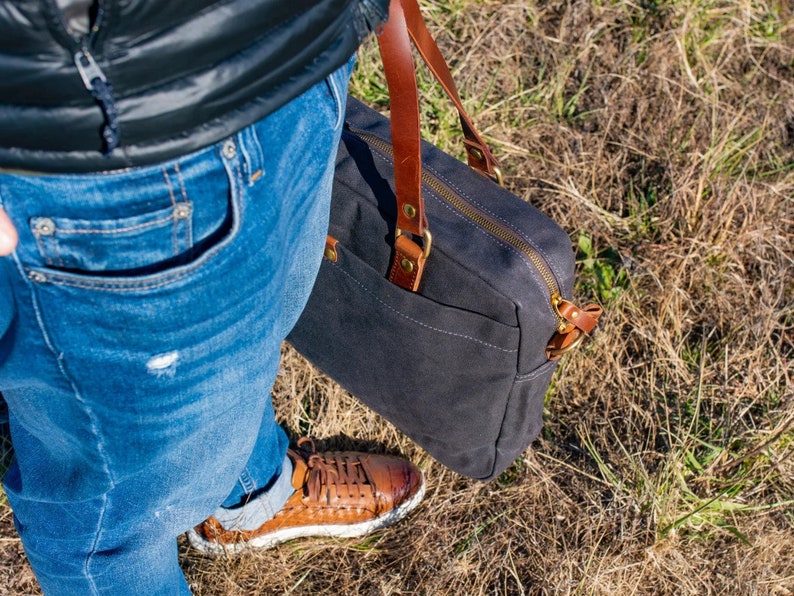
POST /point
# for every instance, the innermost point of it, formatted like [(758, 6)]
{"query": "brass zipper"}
[(502, 232)]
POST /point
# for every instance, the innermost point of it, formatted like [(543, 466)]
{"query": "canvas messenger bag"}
[(443, 299)]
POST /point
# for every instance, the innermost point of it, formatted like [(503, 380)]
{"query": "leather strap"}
[(405, 23), (585, 318), (408, 264), (398, 66), (478, 153)]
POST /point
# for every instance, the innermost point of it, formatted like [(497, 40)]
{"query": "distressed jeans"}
[(141, 318)]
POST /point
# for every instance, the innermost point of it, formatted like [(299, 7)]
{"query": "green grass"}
[(660, 135)]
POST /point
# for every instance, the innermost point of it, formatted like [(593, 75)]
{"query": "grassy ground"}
[(660, 134)]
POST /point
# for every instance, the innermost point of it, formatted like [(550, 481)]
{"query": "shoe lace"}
[(345, 474)]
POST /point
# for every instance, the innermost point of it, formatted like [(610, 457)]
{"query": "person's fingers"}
[(8, 235)]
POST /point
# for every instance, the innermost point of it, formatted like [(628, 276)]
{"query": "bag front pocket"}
[(439, 373)]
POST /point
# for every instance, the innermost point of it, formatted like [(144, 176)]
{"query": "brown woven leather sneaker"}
[(340, 494)]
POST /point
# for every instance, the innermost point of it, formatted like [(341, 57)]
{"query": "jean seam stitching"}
[(95, 545), (99, 231), (42, 250), (253, 153), (94, 426), (185, 201), (336, 95), (174, 239), (247, 481)]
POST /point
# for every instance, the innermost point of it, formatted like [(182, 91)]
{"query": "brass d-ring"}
[(498, 176), (427, 240), (560, 352)]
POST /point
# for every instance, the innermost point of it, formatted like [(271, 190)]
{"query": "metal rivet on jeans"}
[(182, 211), (37, 277), (44, 226), (229, 150)]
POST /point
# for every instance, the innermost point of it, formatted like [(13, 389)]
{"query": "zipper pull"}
[(97, 84), (576, 323)]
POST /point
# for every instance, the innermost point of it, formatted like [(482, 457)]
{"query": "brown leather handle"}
[(478, 153), (405, 23), (398, 66)]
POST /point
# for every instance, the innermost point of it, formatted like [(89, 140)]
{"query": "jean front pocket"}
[(119, 244), (134, 227)]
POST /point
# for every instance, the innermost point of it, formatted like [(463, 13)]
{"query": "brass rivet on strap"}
[(409, 210), (330, 254), (476, 152), (407, 265)]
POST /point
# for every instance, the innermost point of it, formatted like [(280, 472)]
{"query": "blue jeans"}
[(141, 319)]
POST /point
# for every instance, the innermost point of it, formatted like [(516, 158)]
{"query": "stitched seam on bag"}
[(533, 272), (395, 275), (489, 212), (425, 325), (494, 239), (541, 370)]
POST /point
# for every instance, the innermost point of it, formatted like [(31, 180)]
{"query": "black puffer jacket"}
[(154, 79)]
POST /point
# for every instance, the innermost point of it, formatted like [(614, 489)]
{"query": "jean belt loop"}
[(251, 151)]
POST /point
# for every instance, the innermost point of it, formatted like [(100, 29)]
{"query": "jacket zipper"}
[(484, 221), (94, 79)]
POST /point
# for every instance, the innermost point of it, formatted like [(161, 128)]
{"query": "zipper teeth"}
[(476, 216), (497, 230)]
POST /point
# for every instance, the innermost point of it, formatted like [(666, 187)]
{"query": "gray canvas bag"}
[(441, 300)]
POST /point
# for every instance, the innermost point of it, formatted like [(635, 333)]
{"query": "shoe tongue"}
[(300, 471)]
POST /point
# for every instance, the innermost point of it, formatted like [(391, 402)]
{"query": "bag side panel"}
[(448, 364), (523, 416)]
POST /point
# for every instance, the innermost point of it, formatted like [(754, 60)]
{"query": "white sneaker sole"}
[(325, 530)]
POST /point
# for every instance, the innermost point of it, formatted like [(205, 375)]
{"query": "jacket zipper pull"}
[(97, 84)]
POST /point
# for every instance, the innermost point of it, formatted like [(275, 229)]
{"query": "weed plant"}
[(660, 135)]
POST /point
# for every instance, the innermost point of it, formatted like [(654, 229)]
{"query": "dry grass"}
[(660, 134)]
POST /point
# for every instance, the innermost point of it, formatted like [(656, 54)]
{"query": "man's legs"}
[(142, 340)]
